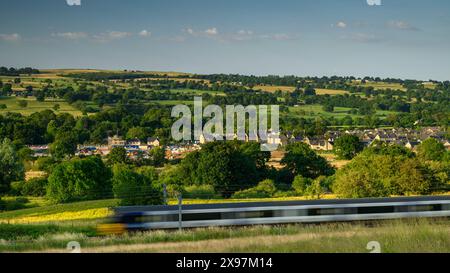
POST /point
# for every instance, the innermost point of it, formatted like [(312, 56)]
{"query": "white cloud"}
[(190, 31), (241, 35), (277, 37), (211, 31), (237, 36), (401, 25), (118, 34), (281, 36), (145, 33), (10, 37), (245, 32), (208, 32), (71, 35), (111, 35), (341, 24)]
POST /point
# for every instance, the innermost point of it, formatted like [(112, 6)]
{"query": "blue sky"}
[(400, 38)]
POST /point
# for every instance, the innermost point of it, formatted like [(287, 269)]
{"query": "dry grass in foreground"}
[(410, 236)]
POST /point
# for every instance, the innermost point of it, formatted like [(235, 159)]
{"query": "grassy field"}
[(412, 235), (197, 92), (381, 85), (316, 110), (35, 106), (274, 88)]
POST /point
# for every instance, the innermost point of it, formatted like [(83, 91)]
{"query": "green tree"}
[(65, 145), (117, 155), (158, 156), (40, 96), (223, 165), (309, 91), (383, 148), (381, 176), (431, 149), (137, 132), (25, 154), (300, 159), (6, 89), (300, 184), (22, 103), (133, 188), (317, 187), (347, 146), (11, 167), (79, 180), (328, 108), (253, 150), (35, 187), (264, 189)]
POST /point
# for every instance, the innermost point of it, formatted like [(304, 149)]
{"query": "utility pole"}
[(165, 194), (180, 213)]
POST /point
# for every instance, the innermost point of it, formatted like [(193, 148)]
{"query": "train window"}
[(375, 210), (247, 214), (418, 208), (201, 216), (290, 213), (151, 218), (331, 211), (446, 207)]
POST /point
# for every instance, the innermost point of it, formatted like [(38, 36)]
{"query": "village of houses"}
[(408, 138)]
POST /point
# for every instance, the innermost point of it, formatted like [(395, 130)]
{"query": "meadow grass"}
[(319, 91), (409, 235), (36, 106), (197, 92), (316, 110), (331, 92), (60, 212), (382, 85)]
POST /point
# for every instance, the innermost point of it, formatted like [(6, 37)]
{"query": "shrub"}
[(14, 204), (280, 194), (383, 175), (200, 192), (264, 189), (16, 188), (3, 106), (300, 184), (133, 188), (317, 187), (35, 187), (45, 164), (22, 103)]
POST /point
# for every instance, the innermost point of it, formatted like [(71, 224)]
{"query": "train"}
[(141, 218)]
